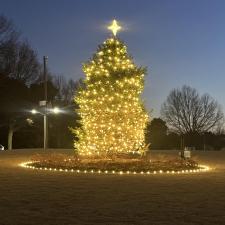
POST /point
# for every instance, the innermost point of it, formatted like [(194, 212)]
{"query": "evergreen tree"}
[(156, 134), (112, 116)]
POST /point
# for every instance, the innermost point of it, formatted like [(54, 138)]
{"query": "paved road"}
[(30, 197)]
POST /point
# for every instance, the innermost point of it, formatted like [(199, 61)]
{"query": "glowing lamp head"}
[(56, 110), (114, 27), (34, 111)]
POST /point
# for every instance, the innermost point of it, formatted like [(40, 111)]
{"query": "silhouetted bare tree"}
[(17, 59), (7, 31), (66, 88), (185, 111), (19, 67)]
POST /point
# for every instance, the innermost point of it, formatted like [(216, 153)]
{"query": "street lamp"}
[(33, 111), (55, 110)]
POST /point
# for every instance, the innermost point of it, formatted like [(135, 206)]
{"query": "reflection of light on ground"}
[(202, 168)]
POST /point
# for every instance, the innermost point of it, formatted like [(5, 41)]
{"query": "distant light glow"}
[(34, 111), (29, 121), (56, 110)]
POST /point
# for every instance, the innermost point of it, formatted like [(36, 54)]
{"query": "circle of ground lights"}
[(202, 168)]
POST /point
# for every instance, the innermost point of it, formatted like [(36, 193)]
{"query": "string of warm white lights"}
[(202, 168)]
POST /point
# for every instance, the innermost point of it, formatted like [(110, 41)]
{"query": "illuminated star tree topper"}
[(114, 27)]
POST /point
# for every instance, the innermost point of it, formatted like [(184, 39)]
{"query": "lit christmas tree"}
[(112, 115)]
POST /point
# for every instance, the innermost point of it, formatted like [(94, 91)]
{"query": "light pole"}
[(45, 58), (54, 110), (45, 132)]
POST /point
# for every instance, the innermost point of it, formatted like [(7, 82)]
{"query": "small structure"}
[(186, 153)]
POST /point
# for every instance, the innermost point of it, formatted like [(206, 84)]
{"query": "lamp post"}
[(45, 58), (45, 132), (54, 110)]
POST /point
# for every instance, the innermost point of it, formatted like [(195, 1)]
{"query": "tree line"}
[(21, 89), (188, 119)]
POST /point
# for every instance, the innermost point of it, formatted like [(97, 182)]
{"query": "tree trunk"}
[(10, 138)]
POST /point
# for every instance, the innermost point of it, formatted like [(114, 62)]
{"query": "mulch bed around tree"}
[(137, 164)]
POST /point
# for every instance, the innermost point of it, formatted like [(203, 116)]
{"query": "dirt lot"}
[(29, 197)]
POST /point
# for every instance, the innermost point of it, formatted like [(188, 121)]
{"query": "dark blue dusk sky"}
[(180, 41)]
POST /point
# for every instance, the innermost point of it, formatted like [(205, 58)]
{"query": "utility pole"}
[(45, 58)]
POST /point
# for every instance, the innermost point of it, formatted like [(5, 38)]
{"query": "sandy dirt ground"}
[(29, 197)]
